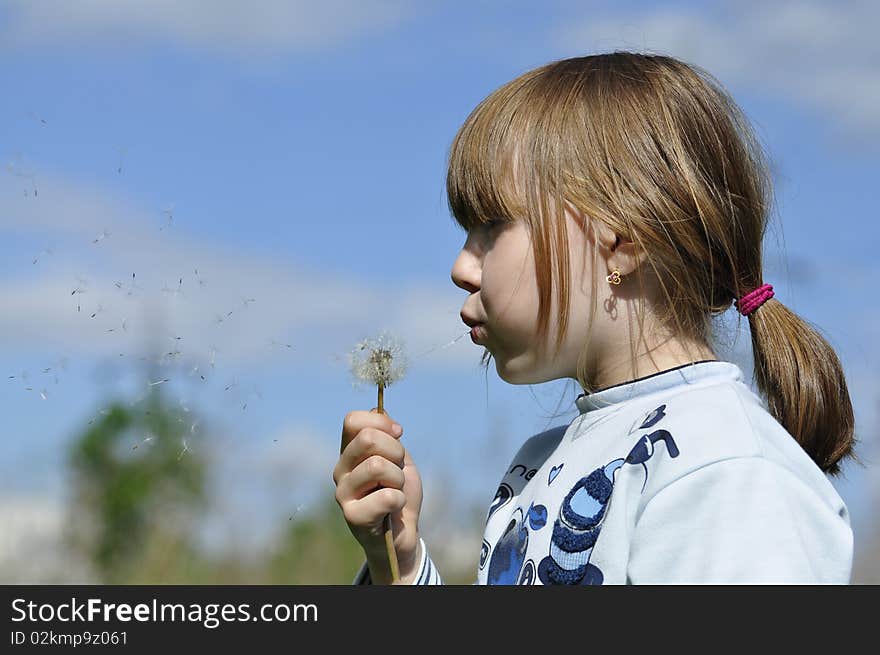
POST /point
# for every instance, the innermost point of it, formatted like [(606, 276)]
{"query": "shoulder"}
[(531, 456), (539, 446), (740, 520), (724, 430)]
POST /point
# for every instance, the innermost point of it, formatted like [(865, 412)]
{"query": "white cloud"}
[(32, 549), (821, 54), (226, 26), (273, 304)]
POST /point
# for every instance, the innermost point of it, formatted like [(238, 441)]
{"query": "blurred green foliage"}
[(138, 495), (132, 475)]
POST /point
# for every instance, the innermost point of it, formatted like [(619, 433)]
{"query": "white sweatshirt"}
[(680, 477)]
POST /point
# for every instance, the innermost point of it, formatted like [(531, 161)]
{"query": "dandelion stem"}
[(386, 525)]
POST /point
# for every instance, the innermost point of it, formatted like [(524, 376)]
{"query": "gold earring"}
[(614, 278)]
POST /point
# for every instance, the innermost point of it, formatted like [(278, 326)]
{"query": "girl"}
[(631, 183)]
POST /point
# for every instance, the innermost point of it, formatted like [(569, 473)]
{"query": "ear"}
[(619, 253), (625, 256)]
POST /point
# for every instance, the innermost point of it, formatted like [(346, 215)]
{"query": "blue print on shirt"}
[(502, 497), (582, 512), (510, 551)]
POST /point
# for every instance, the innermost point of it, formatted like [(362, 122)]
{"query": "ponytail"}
[(803, 381)]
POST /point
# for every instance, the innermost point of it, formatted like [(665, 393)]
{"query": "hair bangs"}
[(480, 185)]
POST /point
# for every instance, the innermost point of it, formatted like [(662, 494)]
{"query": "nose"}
[(466, 271)]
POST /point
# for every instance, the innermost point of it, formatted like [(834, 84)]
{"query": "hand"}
[(375, 476)]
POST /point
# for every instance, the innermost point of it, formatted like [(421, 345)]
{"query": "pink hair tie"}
[(751, 301)]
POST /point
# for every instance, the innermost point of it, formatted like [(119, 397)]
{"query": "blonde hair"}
[(658, 151)]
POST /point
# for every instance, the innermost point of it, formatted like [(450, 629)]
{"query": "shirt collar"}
[(706, 371)]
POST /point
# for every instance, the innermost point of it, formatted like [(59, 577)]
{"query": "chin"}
[(512, 375)]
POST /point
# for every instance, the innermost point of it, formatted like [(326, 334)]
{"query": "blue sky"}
[(294, 155)]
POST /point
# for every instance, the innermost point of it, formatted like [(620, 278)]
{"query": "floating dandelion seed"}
[(185, 448), (35, 117), (122, 152), (296, 511), (168, 213), (104, 234), (201, 281), (46, 251), (152, 384), (381, 361), (147, 440), (20, 173), (43, 394), (245, 301)]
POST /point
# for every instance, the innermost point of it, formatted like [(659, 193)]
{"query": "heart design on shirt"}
[(553, 473)]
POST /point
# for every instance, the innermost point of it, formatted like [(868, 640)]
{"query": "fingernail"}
[(396, 429)]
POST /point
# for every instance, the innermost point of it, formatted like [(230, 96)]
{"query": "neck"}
[(665, 356)]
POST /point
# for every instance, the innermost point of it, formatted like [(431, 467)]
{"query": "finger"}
[(357, 420), (375, 471), (372, 508), (369, 441)]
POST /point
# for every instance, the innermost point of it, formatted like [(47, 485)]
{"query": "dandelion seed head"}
[(379, 360)]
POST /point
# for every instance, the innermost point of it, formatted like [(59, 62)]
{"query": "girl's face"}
[(496, 265)]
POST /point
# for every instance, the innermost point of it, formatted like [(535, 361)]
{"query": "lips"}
[(478, 332)]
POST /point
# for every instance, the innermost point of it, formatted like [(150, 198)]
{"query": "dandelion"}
[(381, 361), (153, 384), (104, 234)]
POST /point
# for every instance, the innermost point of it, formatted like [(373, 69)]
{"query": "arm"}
[(744, 520), (424, 573)]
